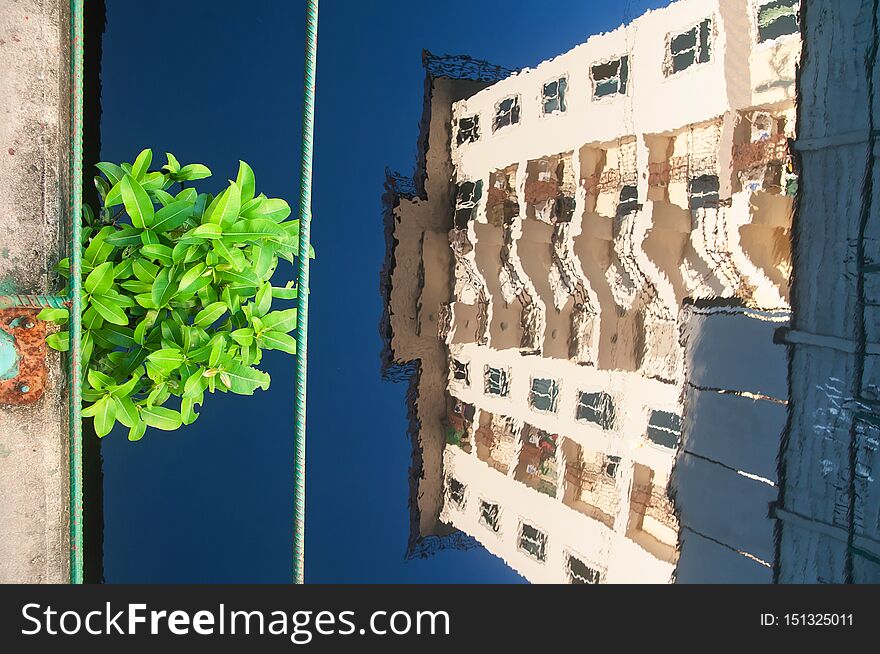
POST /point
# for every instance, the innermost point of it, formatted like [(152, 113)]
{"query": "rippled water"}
[(527, 443)]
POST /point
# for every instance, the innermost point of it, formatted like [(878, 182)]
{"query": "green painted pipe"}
[(74, 381), (302, 316)]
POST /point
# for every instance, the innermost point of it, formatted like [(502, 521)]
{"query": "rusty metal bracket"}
[(22, 356)]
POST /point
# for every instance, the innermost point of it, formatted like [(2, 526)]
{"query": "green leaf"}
[(98, 249), (272, 340), (203, 200), (187, 411), (210, 314), (243, 336), (126, 411), (126, 389), (195, 386), (264, 259), (230, 253), (124, 269), (136, 286), (172, 216), (225, 208), (137, 202), (103, 413), (255, 230), (217, 350), (149, 237), (98, 380), (161, 418), (144, 270), (246, 182), (204, 232), (187, 195), (127, 235), (57, 316), (102, 186), (173, 165), (100, 279), (274, 209), (109, 310), (263, 300), (121, 300), (59, 341), (118, 336), (244, 278), (113, 172), (164, 197), (146, 300), (280, 321), (160, 253), (144, 326), (166, 359), (92, 319), (192, 172), (153, 182), (191, 277), (179, 252), (244, 380), (289, 292), (114, 196), (142, 164), (163, 288), (137, 432)]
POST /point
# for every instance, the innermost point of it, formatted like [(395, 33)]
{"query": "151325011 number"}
[(817, 619)]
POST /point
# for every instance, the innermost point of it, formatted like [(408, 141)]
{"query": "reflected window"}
[(629, 201), (467, 199), (691, 47), (456, 492), (506, 113), (597, 408), (778, 18), (468, 129), (610, 78), (533, 542), (703, 192), (554, 95), (461, 372), (544, 394), (497, 381), (489, 515), (612, 465), (580, 573), (664, 428)]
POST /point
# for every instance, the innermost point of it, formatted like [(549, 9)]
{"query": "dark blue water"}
[(215, 82)]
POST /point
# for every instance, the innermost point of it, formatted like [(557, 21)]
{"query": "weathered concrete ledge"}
[(34, 205)]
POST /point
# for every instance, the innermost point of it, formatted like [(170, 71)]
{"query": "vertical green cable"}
[(75, 371), (302, 316)]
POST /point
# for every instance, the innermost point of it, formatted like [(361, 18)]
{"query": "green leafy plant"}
[(177, 298)]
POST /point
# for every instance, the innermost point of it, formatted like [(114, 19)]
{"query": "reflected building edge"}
[(583, 281)]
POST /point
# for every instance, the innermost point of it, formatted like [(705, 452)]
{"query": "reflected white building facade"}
[(571, 235)]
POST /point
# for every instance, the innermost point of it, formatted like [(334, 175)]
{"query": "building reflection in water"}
[(583, 282)]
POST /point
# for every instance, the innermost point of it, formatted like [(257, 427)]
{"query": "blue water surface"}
[(215, 82)]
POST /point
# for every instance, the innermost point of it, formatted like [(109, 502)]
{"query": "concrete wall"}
[(34, 197)]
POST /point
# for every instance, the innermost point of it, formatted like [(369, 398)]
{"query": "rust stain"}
[(30, 344)]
